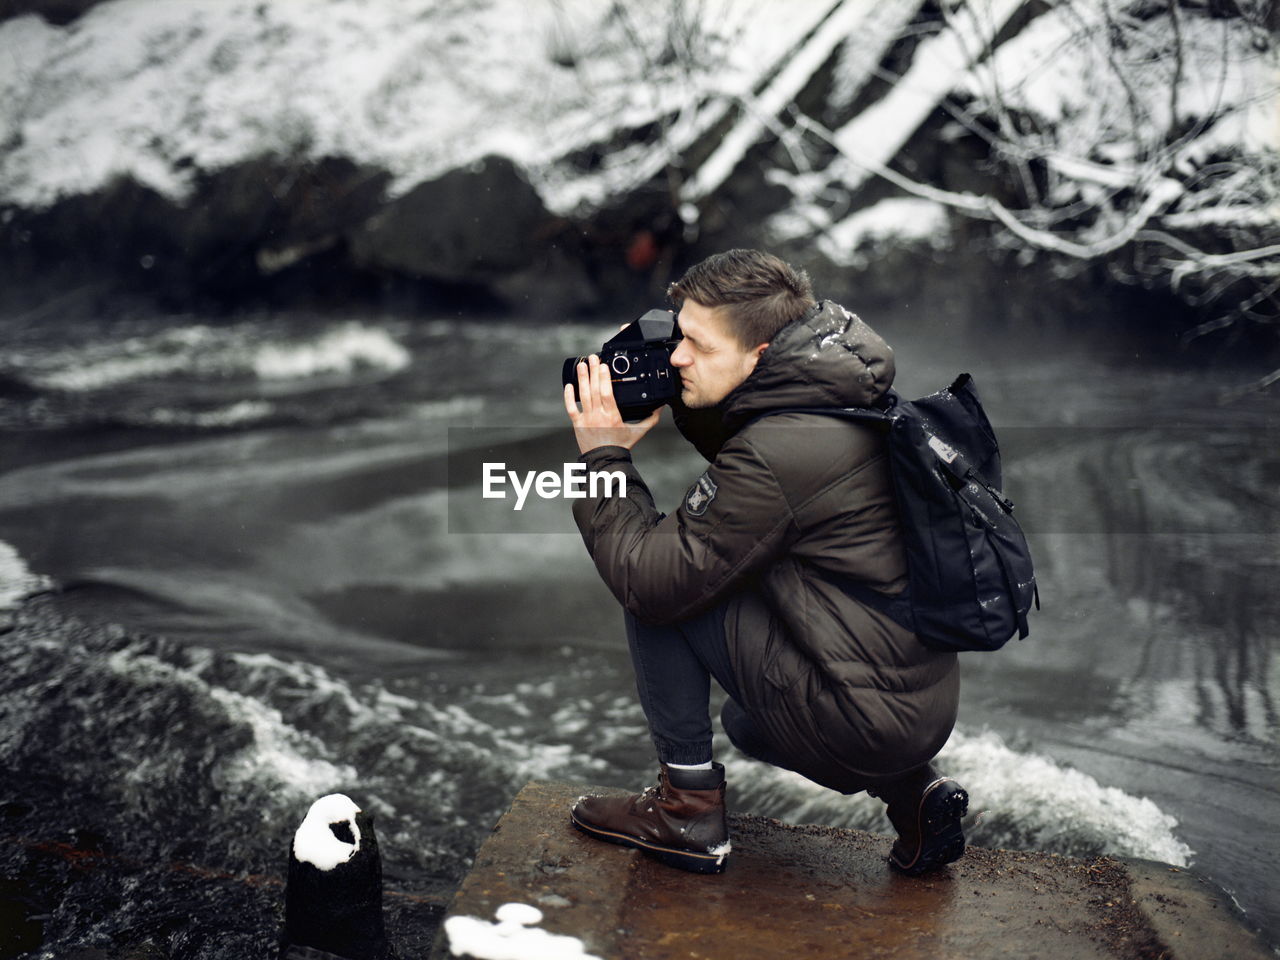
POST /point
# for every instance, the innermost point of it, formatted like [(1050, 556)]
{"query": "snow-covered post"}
[(333, 901)]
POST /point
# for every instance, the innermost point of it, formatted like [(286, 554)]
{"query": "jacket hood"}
[(828, 358)]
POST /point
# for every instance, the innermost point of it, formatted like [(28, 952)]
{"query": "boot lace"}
[(649, 795)]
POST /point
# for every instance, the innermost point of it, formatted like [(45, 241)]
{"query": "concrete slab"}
[(821, 892)]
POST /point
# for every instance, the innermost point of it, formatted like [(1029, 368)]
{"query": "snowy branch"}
[(1127, 134)]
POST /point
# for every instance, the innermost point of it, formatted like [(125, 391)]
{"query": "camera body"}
[(639, 362)]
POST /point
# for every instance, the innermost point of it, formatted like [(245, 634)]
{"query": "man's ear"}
[(761, 349)]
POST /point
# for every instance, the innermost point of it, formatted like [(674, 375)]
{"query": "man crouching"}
[(745, 581)]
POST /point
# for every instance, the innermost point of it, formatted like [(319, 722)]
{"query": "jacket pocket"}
[(764, 659)]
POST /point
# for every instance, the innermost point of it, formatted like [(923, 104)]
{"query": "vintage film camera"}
[(639, 361)]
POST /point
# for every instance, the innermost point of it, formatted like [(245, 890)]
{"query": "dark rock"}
[(470, 225), (240, 225), (20, 931), (58, 12)]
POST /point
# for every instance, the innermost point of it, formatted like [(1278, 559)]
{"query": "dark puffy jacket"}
[(791, 505)]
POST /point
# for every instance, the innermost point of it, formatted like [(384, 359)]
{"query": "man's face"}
[(710, 359)]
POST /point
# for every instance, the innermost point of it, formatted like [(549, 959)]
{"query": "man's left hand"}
[(598, 423)]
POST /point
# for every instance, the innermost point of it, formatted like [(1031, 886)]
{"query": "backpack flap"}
[(956, 415)]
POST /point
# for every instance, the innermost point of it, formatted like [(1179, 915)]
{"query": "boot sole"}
[(941, 834), (680, 859)]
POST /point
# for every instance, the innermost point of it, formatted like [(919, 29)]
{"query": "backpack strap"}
[(949, 458), (863, 414)]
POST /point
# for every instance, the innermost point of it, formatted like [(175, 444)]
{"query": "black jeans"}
[(674, 665)]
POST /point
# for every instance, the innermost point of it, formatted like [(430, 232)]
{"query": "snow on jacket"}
[(791, 505)]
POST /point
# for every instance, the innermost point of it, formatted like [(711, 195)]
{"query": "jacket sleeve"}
[(666, 569)]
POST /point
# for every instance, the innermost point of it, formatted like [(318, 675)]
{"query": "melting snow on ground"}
[(513, 936)]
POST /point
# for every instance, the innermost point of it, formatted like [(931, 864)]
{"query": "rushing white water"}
[(1022, 799)]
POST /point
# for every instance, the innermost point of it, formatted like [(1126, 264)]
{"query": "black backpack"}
[(970, 577)]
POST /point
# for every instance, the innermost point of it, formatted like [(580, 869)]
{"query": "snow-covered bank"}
[(568, 154), (162, 91)]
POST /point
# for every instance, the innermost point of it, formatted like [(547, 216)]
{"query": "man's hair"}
[(761, 293)]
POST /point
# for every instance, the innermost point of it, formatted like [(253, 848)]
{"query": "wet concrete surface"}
[(817, 891)]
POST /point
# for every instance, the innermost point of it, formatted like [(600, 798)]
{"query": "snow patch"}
[(856, 239), (721, 851), (512, 937), (315, 843)]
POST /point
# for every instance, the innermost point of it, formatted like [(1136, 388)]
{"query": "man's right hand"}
[(598, 423)]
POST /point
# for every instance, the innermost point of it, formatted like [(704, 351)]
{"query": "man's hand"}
[(598, 423)]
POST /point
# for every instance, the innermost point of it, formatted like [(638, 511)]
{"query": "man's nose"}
[(680, 357)]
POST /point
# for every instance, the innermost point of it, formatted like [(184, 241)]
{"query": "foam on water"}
[(204, 352), (236, 414), (17, 582), (278, 754), (1026, 801), (342, 350), (1061, 809), (196, 743), (373, 712)]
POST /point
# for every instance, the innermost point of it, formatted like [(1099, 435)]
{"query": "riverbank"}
[(569, 159)]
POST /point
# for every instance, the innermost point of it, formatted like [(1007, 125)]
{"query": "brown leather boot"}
[(680, 820), (926, 810)]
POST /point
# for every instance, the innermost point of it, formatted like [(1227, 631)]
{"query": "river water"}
[(284, 517)]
